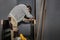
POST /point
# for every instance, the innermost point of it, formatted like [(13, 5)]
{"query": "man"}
[(18, 13)]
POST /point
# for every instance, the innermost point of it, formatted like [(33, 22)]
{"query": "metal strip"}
[(39, 30)]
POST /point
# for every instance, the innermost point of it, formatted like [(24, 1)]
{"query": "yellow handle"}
[(22, 37)]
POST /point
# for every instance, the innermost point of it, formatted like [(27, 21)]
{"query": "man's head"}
[(29, 8)]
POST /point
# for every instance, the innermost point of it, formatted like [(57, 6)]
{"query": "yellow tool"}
[(22, 37)]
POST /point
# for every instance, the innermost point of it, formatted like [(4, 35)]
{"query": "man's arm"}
[(27, 13), (25, 19)]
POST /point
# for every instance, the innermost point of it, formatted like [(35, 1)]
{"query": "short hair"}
[(28, 6)]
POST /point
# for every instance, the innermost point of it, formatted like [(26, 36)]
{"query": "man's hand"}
[(25, 19), (34, 21), (30, 20)]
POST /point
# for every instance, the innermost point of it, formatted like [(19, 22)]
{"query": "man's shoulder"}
[(21, 5)]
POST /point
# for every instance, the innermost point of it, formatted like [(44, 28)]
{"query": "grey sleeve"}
[(27, 12)]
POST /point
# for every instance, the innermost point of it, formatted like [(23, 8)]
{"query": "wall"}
[(52, 22), (51, 30)]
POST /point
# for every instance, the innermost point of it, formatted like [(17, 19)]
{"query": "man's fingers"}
[(34, 21)]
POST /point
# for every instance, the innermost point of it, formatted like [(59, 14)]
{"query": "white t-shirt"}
[(19, 11)]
